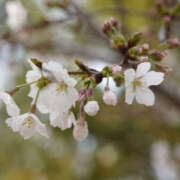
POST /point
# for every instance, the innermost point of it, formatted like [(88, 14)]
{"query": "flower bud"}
[(159, 55), (80, 131), (110, 98), (116, 69), (135, 39), (145, 47), (167, 18), (164, 69), (91, 108), (174, 43), (143, 58)]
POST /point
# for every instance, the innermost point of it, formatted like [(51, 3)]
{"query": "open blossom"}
[(59, 95), (91, 108), (63, 120), (17, 15), (27, 125), (11, 107), (110, 98), (80, 131), (137, 84)]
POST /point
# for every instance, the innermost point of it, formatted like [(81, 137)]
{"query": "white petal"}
[(153, 78), (129, 76), (32, 76), (145, 96), (142, 69), (11, 106), (129, 94)]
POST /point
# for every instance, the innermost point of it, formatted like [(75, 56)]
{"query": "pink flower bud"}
[(167, 19), (80, 131), (174, 42), (110, 98), (116, 69), (143, 59), (146, 47), (139, 50), (91, 108)]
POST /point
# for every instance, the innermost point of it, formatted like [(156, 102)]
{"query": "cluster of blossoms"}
[(55, 91)]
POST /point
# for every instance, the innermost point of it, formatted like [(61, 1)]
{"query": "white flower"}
[(137, 84), (11, 106), (27, 125), (59, 95), (110, 98), (91, 108), (80, 131), (32, 76), (62, 120), (17, 15)]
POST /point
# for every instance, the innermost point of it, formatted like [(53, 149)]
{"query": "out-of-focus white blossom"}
[(11, 106), (80, 131), (62, 120), (27, 125), (110, 98), (91, 108), (137, 84), (17, 15)]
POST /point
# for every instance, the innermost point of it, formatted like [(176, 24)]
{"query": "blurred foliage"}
[(121, 140)]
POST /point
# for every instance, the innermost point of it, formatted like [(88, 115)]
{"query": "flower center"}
[(29, 121), (62, 86), (137, 82)]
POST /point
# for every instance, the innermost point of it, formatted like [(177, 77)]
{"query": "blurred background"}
[(125, 142)]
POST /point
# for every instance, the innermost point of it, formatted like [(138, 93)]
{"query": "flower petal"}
[(145, 96), (11, 106), (129, 76), (142, 69), (129, 95), (153, 78)]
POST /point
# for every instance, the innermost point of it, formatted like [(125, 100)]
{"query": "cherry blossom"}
[(27, 125), (63, 120), (80, 131), (110, 98), (91, 108), (11, 106), (137, 84)]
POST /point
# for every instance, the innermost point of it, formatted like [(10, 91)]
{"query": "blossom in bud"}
[(106, 28), (11, 106), (145, 47), (27, 125), (137, 84), (91, 108), (116, 69), (174, 43), (143, 58), (80, 130), (159, 55), (167, 19), (110, 98), (114, 22), (139, 50), (164, 69)]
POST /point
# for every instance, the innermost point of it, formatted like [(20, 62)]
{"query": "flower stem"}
[(26, 84)]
